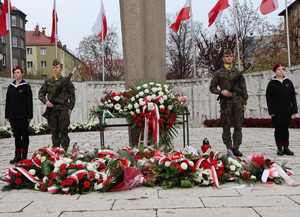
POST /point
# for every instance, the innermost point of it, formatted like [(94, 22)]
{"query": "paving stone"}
[(52, 206), (208, 212), (136, 193), (112, 213), (183, 202), (278, 211), (23, 195), (197, 192), (296, 198), (247, 201), (22, 214), (269, 189), (15, 207)]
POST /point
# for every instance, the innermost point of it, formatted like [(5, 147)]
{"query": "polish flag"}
[(268, 6), (184, 14), (53, 37), (4, 19), (100, 27), (216, 11)]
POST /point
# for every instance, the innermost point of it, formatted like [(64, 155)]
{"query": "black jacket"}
[(281, 97), (18, 101)]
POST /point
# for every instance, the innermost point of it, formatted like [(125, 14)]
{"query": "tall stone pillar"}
[(144, 39)]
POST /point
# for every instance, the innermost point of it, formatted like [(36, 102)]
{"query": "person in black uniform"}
[(18, 111), (282, 105)]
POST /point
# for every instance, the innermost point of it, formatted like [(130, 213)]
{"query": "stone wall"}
[(202, 104)]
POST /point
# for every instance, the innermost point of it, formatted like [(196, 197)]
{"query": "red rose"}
[(258, 160), (205, 164), (72, 166), (18, 181), (63, 167), (80, 176), (53, 175), (86, 185), (80, 166), (91, 175), (63, 172), (50, 182)]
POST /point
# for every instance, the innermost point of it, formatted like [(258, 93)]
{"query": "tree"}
[(91, 53)]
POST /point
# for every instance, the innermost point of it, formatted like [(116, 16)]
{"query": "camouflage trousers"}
[(58, 123), (232, 115)]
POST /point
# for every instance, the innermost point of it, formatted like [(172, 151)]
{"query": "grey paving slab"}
[(208, 212), (183, 202), (52, 206), (15, 207), (112, 213), (278, 211), (136, 193), (248, 201), (22, 214), (296, 198), (197, 192), (273, 189)]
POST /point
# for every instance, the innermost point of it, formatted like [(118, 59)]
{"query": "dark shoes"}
[(237, 153), (287, 151), (16, 159), (280, 152)]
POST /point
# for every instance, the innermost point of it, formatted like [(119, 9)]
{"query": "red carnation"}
[(80, 176), (63, 172), (258, 160), (53, 175), (80, 166), (18, 181), (86, 185), (63, 167), (91, 175)]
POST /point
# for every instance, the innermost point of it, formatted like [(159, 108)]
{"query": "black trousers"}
[(21, 135), (281, 124)]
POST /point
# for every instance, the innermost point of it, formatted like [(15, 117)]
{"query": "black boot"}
[(16, 159), (286, 149), (237, 153), (24, 154), (280, 151)]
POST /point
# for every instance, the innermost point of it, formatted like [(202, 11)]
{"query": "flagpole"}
[(237, 34), (56, 33), (103, 71), (10, 41), (193, 43), (288, 33)]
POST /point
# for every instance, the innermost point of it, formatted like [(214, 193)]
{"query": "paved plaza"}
[(231, 200)]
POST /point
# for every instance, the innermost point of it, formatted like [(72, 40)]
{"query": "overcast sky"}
[(76, 17)]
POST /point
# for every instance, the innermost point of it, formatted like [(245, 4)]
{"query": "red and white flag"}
[(54, 31), (4, 19), (100, 27), (216, 11), (268, 6), (184, 14)]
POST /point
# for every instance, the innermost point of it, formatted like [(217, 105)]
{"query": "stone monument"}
[(144, 39)]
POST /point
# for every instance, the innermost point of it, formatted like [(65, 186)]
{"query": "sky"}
[(76, 17)]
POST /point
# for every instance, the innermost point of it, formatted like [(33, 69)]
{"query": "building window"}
[(29, 51), (15, 62), (29, 64), (22, 23), (15, 41), (43, 64), (13, 20), (3, 59), (22, 43), (43, 51)]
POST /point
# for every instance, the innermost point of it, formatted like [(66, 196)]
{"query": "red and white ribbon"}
[(30, 177), (151, 120)]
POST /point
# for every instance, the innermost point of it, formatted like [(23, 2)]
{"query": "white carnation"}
[(154, 89), (138, 87), (165, 97), (117, 106), (184, 166), (151, 83), (136, 106), (170, 107), (132, 99), (129, 106), (232, 167), (147, 91), (145, 85), (138, 111), (117, 98)]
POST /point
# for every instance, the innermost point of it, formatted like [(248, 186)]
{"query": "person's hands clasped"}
[(49, 104), (226, 93)]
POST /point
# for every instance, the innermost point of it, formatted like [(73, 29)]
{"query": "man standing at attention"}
[(58, 94), (230, 85)]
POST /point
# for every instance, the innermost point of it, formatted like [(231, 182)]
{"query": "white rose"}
[(162, 107), (129, 106), (154, 89), (252, 177), (109, 100), (232, 167), (151, 83), (117, 98), (237, 173), (141, 102), (152, 160), (165, 97), (132, 99), (167, 163), (117, 106), (158, 84), (166, 86), (161, 101), (110, 105), (131, 113), (170, 107), (160, 93), (147, 91), (32, 172), (136, 106), (138, 111), (138, 87), (184, 166), (145, 85), (141, 93)]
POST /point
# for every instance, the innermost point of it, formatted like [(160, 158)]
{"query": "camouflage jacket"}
[(231, 80), (60, 92)]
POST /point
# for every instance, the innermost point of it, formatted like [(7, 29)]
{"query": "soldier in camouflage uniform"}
[(230, 85), (58, 94)]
